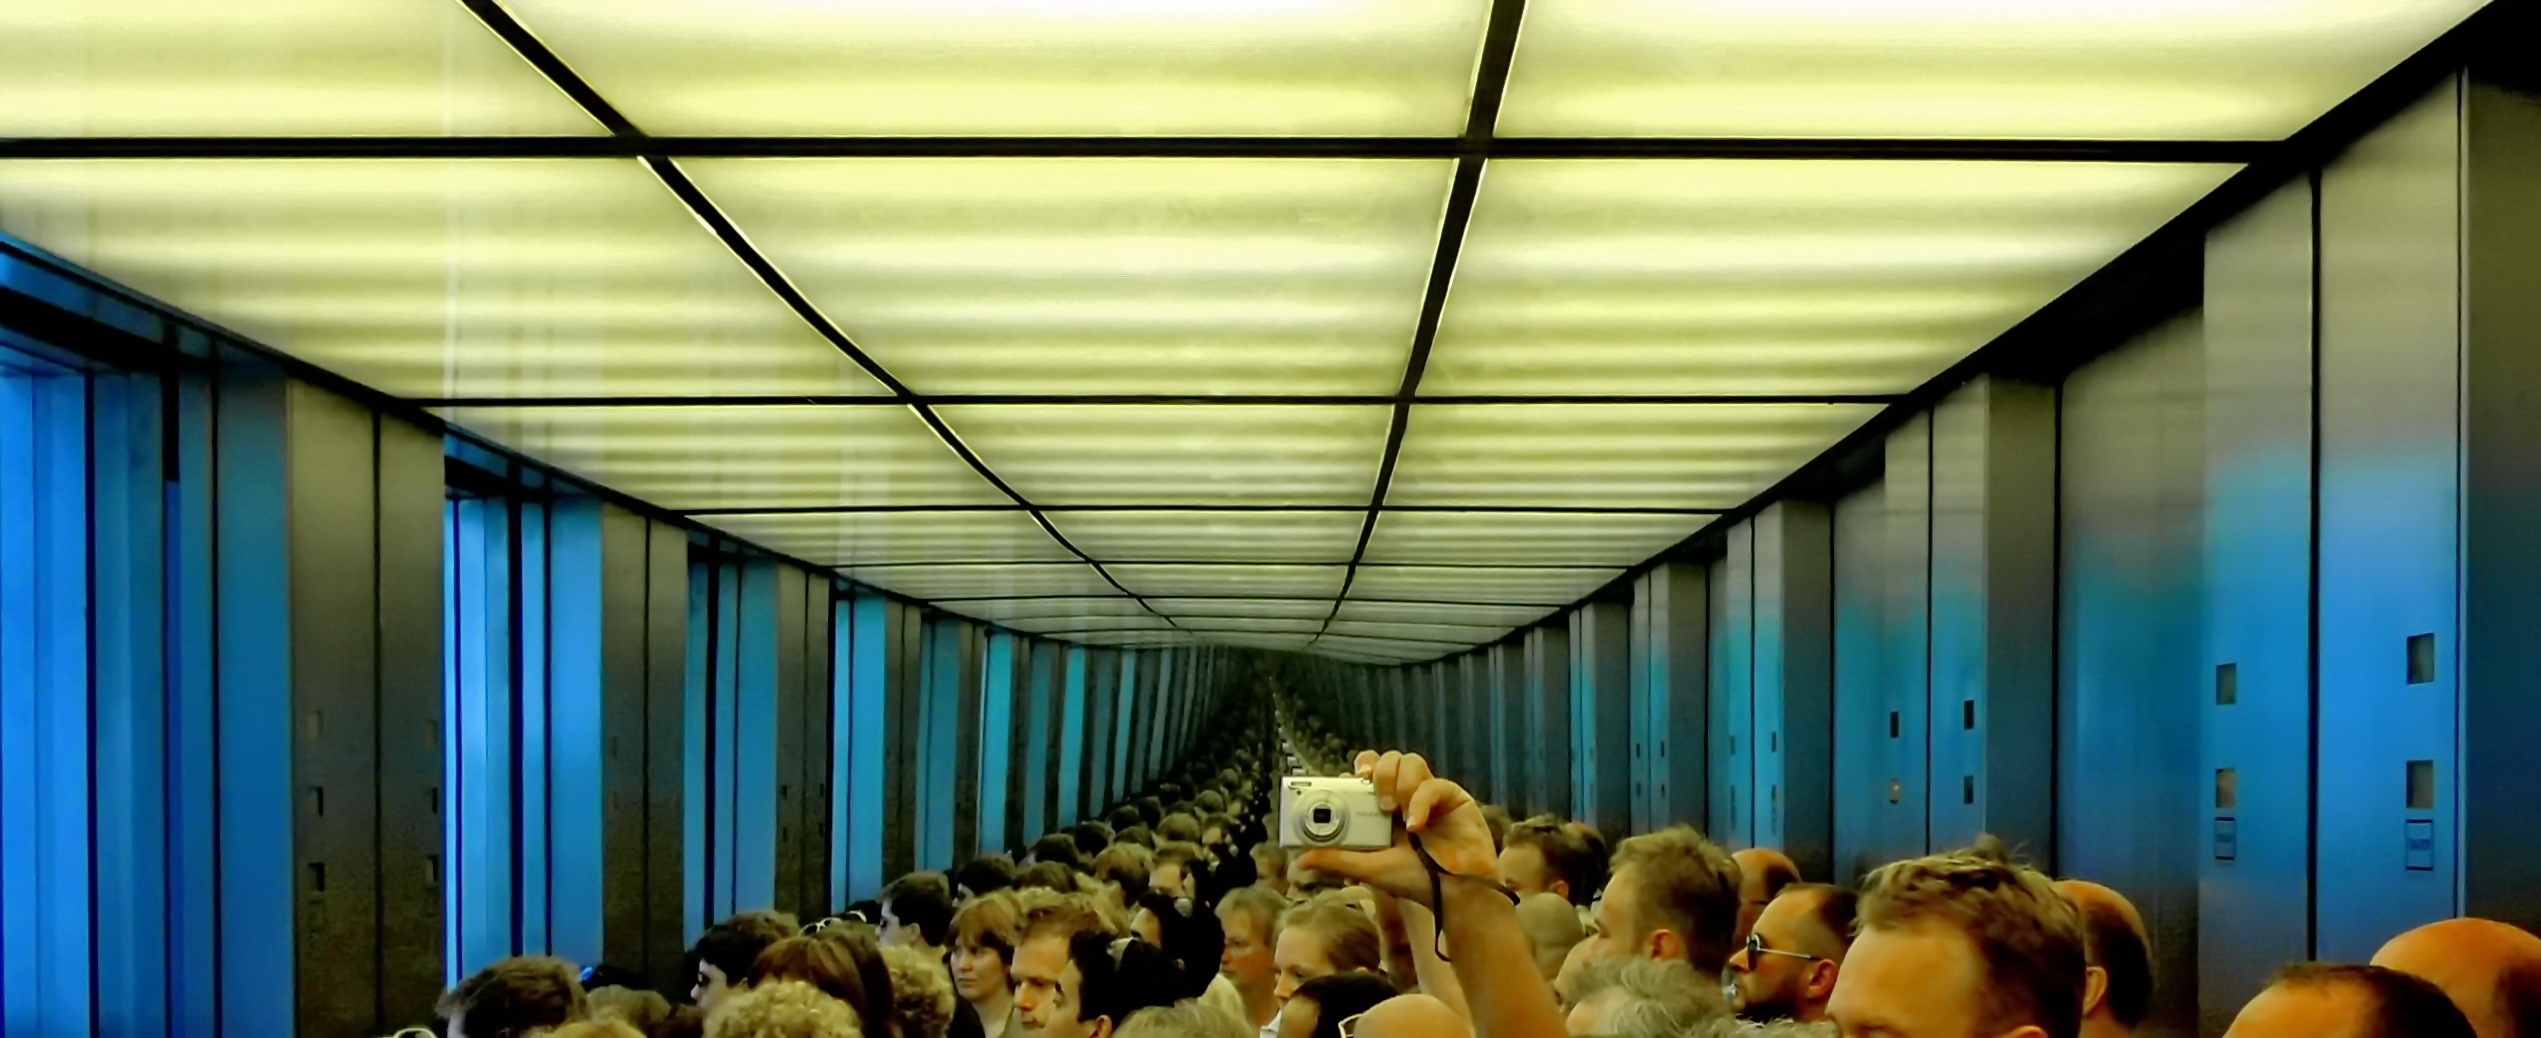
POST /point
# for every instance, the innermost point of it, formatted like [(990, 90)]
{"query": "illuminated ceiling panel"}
[(1255, 624), (1611, 455), (1398, 649), (1293, 608), (1105, 275), (1527, 538), (1024, 67), (1017, 612), (959, 581), (1357, 607), (864, 538), (1481, 584), (2138, 69), (1179, 454), (742, 457), (1175, 536), (1774, 277), (1463, 634), (1089, 625), (422, 68), (437, 278), (1176, 581)]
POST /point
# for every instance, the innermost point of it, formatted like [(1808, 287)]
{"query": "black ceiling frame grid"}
[(1211, 506), (1482, 119), (1162, 400), (553, 67)]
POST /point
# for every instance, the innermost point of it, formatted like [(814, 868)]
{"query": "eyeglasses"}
[(1756, 947), (1349, 1026)]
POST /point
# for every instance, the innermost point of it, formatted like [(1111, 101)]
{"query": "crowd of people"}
[(1180, 914)]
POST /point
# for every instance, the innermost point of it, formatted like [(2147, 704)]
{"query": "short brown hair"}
[(991, 921), (514, 996), (1566, 853), (1349, 938), (2111, 941), (1256, 903), (1127, 866), (1063, 914), (2402, 1004), (1689, 885), (2026, 935)]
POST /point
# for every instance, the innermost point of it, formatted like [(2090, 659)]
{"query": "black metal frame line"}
[(1216, 506), (1165, 400), (549, 64), (1482, 118)]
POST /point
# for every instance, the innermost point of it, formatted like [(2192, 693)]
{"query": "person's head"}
[(2489, 969), (1091, 837), (1047, 875), (825, 962), (2315, 1000), (514, 997), (1631, 996), (917, 910), (641, 1008), (1217, 830), (2119, 990), (985, 874), (1270, 866), (984, 936), (600, 1027), (921, 992), (1172, 873), (1250, 917), (1541, 854), (1322, 937), (1317, 1007), (1136, 834), (1124, 868), (1151, 809), (1788, 965), (1056, 847), (1178, 828), (1124, 818), (722, 957), (1412, 1016), (1673, 895), (1552, 927), (1961, 944), (1496, 819), (1762, 873), (1209, 802), (1062, 968), (781, 1009), (1186, 1019)]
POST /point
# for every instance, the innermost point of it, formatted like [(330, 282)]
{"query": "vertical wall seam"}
[(2311, 595)]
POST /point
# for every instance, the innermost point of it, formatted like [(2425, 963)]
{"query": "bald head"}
[(1413, 1016), (2490, 969), (2115, 942), (1762, 873)]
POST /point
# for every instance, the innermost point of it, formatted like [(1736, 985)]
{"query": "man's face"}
[(1301, 957), (1168, 879), (1048, 991), (1922, 981), (711, 985), (978, 973), (1774, 987), (896, 933), (2304, 1011), (1268, 872), (1247, 960), (1522, 870), (1618, 933)]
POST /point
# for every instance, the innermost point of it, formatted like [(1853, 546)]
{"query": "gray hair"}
[(1651, 998)]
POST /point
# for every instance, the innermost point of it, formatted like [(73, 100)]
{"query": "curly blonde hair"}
[(921, 992), (782, 1009)]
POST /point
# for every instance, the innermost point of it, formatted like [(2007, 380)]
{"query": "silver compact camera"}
[(1332, 812)]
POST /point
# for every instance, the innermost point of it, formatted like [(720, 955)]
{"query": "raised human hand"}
[(1444, 816)]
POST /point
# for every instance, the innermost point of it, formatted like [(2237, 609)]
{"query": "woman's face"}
[(978, 973)]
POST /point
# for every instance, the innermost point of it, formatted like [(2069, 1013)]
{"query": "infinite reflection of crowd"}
[(1181, 915)]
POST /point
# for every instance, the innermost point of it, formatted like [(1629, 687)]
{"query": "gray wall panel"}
[(1548, 717), (1905, 760), (2501, 592), (667, 928), (2132, 485), (411, 491), (789, 736), (1734, 693), (2389, 519), (1859, 796), (1793, 683), (1671, 695), (1601, 711), (2255, 862)]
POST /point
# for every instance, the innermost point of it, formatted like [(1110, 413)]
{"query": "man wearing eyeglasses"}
[(1788, 966)]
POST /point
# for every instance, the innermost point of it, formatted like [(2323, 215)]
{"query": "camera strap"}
[(1438, 895)]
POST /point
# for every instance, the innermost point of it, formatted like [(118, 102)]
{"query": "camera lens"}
[(1319, 821), (1323, 816)]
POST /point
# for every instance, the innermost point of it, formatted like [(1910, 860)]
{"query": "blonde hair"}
[(781, 1009), (1350, 940), (2026, 935), (1184, 1019), (1689, 885), (605, 1027), (921, 992)]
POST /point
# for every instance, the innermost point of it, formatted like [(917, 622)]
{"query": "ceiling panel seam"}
[(637, 145), (549, 64), (1490, 79)]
